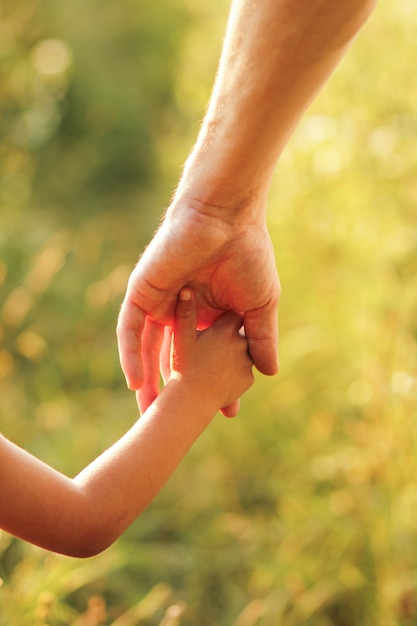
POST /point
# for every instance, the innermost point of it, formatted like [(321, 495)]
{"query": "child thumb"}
[(186, 314)]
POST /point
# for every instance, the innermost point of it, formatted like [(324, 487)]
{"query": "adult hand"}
[(229, 266), (276, 56)]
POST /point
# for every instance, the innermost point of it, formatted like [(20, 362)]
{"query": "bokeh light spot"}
[(51, 57)]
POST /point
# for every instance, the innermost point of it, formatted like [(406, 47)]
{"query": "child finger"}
[(185, 316), (230, 319)]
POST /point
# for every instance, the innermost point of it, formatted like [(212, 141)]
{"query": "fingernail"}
[(185, 294)]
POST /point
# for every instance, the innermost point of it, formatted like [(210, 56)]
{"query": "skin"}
[(276, 57), (82, 516)]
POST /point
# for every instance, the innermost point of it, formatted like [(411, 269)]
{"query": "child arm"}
[(82, 516)]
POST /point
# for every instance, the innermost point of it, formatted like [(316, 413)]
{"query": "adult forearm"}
[(276, 56)]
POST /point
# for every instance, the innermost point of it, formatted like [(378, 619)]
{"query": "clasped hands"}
[(229, 266)]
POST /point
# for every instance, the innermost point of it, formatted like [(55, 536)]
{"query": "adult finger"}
[(152, 337), (165, 355), (261, 329), (232, 410), (129, 330)]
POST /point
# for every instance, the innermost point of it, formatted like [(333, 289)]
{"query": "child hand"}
[(214, 364)]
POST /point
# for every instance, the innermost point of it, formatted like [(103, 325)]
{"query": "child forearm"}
[(124, 480), (82, 516)]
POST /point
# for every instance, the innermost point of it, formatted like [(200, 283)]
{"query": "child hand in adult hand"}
[(213, 365)]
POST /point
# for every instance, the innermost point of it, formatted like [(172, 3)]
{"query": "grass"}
[(300, 512)]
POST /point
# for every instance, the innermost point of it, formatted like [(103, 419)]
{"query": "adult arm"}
[(277, 55)]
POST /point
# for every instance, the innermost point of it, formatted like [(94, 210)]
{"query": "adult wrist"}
[(208, 191), (230, 211), (222, 176)]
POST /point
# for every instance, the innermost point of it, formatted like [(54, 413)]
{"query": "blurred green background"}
[(303, 510)]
